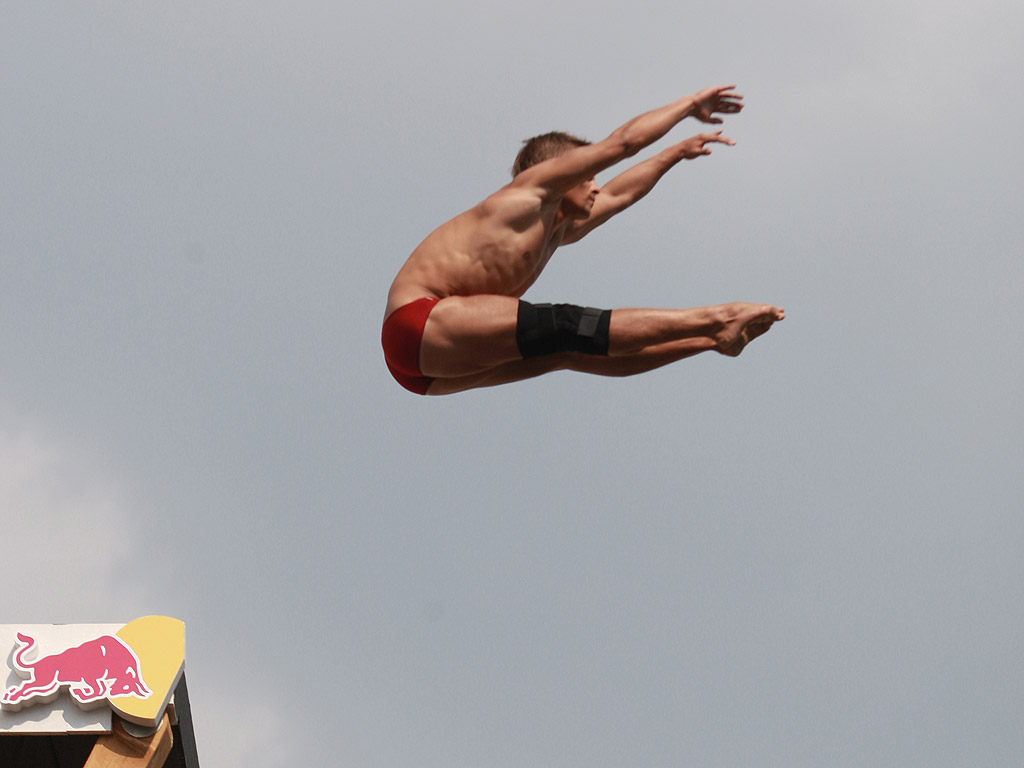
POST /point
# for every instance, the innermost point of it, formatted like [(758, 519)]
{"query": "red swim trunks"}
[(401, 336)]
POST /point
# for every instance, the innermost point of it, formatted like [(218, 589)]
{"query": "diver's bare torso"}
[(499, 247)]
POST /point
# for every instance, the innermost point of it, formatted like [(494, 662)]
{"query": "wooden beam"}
[(119, 749)]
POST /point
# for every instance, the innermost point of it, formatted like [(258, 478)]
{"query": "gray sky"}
[(810, 555)]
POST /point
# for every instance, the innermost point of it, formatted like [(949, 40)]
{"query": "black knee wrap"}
[(545, 328)]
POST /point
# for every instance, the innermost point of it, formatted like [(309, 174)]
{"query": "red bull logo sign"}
[(130, 669), (91, 671)]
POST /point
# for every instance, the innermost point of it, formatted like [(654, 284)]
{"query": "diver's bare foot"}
[(743, 323)]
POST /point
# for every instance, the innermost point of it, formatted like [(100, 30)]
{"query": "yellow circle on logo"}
[(159, 644)]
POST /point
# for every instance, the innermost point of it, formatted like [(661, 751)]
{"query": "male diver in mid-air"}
[(454, 319)]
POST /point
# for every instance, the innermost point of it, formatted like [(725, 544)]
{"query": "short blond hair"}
[(544, 147)]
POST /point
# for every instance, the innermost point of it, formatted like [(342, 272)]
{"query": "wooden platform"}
[(170, 745)]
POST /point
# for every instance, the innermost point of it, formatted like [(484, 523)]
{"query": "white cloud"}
[(66, 540)]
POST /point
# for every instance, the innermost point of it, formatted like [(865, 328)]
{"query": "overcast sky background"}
[(810, 555)]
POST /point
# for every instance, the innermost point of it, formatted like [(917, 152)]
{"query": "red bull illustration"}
[(92, 672), (76, 670)]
